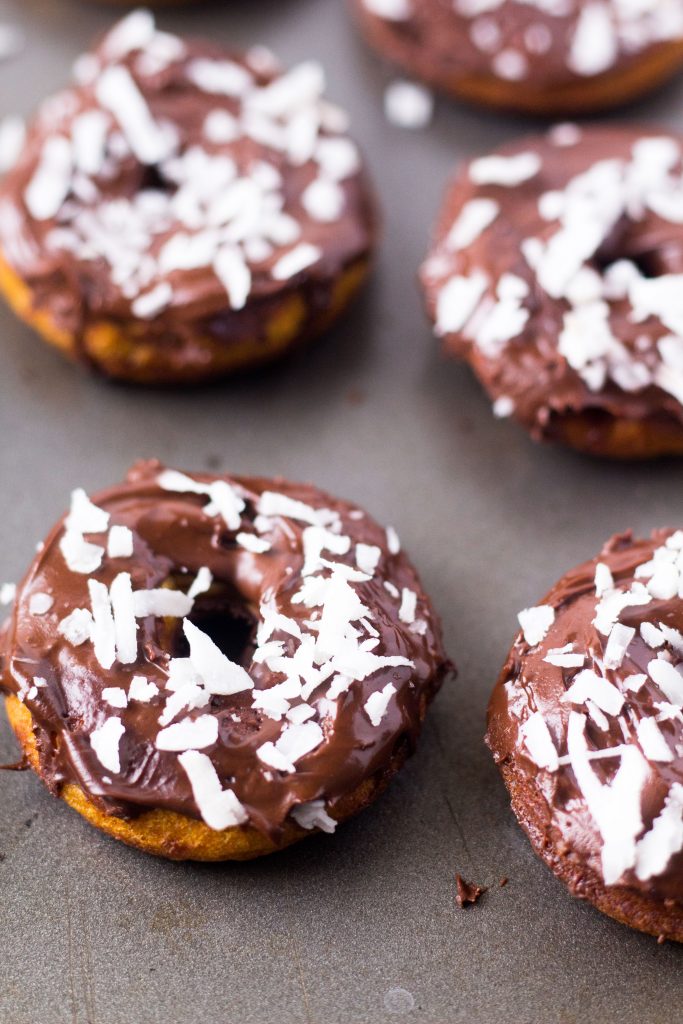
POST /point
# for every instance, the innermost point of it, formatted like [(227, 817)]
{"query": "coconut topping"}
[(603, 713), (595, 299), (251, 731), (553, 40), (175, 174), (408, 104)]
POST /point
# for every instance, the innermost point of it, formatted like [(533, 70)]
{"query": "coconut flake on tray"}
[(408, 104)]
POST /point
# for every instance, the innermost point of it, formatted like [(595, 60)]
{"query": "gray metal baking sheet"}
[(361, 927)]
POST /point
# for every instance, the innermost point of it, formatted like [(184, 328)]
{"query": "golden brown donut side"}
[(128, 353), (605, 436), (177, 836)]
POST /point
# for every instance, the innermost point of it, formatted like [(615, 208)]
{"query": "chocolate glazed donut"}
[(211, 667), (586, 725), (556, 271), (181, 212), (544, 57)]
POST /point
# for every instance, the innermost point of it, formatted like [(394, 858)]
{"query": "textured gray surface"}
[(360, 927)]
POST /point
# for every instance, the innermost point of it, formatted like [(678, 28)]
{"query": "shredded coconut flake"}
[(120, 542), (40, 603), (535, 623), (115, 696), (142, 689), (219, 807), (508, 171), (377, 704), (189, 734), (250, 542), (77, 626), (313, 815), (652, 742), (218, 673), (105, 742), (539, 742)]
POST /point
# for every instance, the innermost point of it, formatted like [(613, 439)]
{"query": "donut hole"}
[(651, 257), (224, 616), (152, 180), (648, 264)]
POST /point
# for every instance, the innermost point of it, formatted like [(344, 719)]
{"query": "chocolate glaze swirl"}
[(173, 539)]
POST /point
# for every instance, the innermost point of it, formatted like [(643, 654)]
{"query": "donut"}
[(544, 57), (213, 667), (555, 271), (181, 212), (585, 724)]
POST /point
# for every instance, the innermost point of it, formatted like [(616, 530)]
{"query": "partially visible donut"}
[(586, 726), (556, 271), (212, 667), (181, 212), (545, 57)]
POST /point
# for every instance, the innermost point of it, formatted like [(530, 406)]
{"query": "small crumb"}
[(408, 104), (213, 461), (504, 881), (467, 892), (661, 939)]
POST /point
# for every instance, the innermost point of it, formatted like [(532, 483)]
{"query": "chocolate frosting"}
[(62, 681), (165, 186), (583, 230), (544, 43), (631, 835)]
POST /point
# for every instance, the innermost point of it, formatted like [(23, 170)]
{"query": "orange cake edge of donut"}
[(177, 836), (122, 353)]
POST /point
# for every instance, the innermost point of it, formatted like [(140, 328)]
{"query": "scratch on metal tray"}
[(442, 756), (302, 983), (80, 964)]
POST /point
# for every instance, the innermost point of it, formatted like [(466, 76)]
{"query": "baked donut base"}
[(637, 910), (179, 837), (592, 430), (615, 88), (595, 431), (607, 436), (124, 352)]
